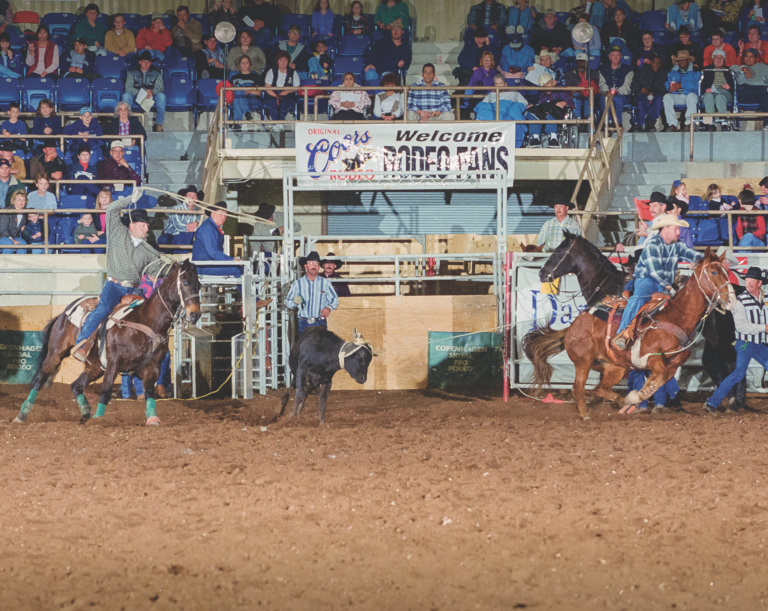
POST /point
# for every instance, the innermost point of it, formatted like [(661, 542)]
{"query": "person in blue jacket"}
[(516, 58), (684, 12), (683, 87), (487, 14), (520, 18), (85, 126), (469, 58), (209, 245)]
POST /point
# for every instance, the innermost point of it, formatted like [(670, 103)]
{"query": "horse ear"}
[(708, 253), (539, 248)]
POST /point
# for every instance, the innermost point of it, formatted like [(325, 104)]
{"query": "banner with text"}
[(20, 353), (458, 360), (431, 148)]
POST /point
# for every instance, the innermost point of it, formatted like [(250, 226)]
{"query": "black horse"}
[(597, 276)]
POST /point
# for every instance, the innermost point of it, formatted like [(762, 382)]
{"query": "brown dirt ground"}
[(405, 500)]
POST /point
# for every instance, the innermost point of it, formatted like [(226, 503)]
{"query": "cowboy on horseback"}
[(127, 255), (655, 270)]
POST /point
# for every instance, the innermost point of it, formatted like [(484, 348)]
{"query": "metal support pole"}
[(506, 344)]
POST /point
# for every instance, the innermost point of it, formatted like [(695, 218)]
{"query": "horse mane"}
[(590, 247)]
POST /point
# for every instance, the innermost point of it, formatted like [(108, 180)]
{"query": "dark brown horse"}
[(663, 347), (137, 343)]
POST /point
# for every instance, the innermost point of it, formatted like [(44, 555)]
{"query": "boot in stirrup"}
[(80, 352), (621, 341)]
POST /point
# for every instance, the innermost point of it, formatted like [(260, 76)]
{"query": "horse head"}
[(713, 280), (183, 290), (561, 261)]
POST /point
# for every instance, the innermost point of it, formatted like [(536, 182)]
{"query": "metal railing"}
[(72, 114), (68, 181)]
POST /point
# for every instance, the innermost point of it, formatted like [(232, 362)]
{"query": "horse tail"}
[(37, 379), (540, 345)]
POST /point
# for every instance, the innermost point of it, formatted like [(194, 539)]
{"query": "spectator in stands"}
[(18, 171), (13, 126), (6, 15), (683, 43), (119, 40), (8, 183), (616, 78), (82, 169), (719, 44), (603, 12), (45, 121), (125, 124), (11, 225), (187, 34), (85, 126), (322, 19), (102, 201), (82, 62), (33, 232), (266, 19), (210, 60), (298, 55), (42, 198), (226, 13), (356, 22), (750, 228), (649, 50), (10, 61), (649, 86), (150, 79), (753, 42), (752, 80), (329, 271), (389, 54), (684, 12), (86, 232), (717, 89), (88, 29), (245, 47), (42, 54), (485, 74), (469, 58), (320, 64), (388, 105), (246, 102), (622, 28), (553, 105), (711, 11), (427, 104), (180, 228), (762, 202), (280, 101), (520, 18), (512, 107), (48, 162), (489, 14), (115, 168), (595, 43), (715, 199), (683, 88), (551, 234), (550, 34), (545, 61), (391, 13), (209, 244), (517, 59), (577, 77), (154, 39), (349, 105)]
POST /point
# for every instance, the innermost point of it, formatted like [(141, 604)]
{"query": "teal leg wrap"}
[(100, 410), (151, 410), (85, 408), (26, 407)]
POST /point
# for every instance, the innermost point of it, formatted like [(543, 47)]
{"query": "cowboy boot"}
[(80, 352), (622, 340)]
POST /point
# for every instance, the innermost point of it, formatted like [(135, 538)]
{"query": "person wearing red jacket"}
[(753, 42), (155, 39), (719, 44), (749, 228)]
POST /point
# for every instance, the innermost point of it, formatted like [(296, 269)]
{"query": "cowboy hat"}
[(544, 78), (135, 216), (265, 211), (755, 273), (337, 262), (658, 198), (191, 189), (144, 56), (682, 55), (313, 256), (667, 220), (554, 203), (729, 256), (673, 201)]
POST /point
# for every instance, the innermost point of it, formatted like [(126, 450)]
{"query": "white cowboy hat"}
[(668, 220), (729, 256)]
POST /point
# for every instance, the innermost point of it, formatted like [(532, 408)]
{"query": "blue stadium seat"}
[(103, 19), (203, 19), (352, 44), (655, 20), (73, 93), (303, 21), (60, 23), (34, 91), (106, 93), (562, 16), (179, 94), (179, 66), (206, 98), (10, 91), (322, 105), (338, 23), (112, 66), (73, 202), (132, 157), (371, 22), (134, 22), (347, 63), (18, 41)]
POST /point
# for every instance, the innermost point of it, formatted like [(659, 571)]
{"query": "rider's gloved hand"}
[(298, 300)]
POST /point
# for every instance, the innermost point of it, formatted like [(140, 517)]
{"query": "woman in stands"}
[(282, 76), (391, 13), (485, 74), (322, 19), (388, 104), (521, 17), (43, 55), (246, 102), (750, 228), (355, 22), (100, 219), (246, 47), (46, 122), (349, 105), (11, 225), (125, 124), (42, 199), (226, 13)]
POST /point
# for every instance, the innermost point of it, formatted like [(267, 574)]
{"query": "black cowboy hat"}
[(554, 203), (145, 56), (756, 273), (265, 211), (7, 146), (135, 216), (337, 262), (658, 197), (193, 189), (673, 201), (313, 256)]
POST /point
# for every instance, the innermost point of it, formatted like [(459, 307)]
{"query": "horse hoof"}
[(585, 418), (18, 420), (633, 398), (85, 418), (153, 421)]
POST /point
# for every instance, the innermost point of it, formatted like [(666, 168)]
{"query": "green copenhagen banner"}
[(457, 360), (19, 355)]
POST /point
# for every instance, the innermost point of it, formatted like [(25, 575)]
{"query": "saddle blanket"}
[(76, 313)]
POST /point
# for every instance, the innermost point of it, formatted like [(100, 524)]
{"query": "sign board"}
[(458, 360), (20, 354), (470, 148)]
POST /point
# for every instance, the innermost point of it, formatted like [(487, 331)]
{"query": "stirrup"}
[(621, 341), (81, 350)]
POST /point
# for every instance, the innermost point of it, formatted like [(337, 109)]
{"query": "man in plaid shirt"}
[(655, 270), (426, 105), (551, 234), (180, 228)]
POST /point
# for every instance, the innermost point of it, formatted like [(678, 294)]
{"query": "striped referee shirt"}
[(750, 317), (318, 295)]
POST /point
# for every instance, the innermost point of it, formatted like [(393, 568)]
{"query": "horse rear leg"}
[(582, 373), (106, 390), (612, 375), (149, 373), (660, 375), (91, 374)]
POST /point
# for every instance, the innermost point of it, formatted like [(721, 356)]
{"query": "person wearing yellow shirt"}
[(119, 40)]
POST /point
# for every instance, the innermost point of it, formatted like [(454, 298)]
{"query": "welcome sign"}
[(427, 148)]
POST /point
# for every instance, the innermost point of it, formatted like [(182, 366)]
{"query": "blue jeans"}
[(581, 107), (110, 296), (278, 113), (164, 379), (750, 239), (618, 103), (644, 288), (129, 381), (262, 38), (159, 99), (745, 352), (648, 112), (245, 102), (12, 251), (636, 381), (535, 129), (304, 325)]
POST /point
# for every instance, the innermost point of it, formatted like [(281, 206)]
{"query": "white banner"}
[(470, 148)]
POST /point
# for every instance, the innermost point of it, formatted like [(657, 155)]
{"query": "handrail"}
[(69, 181), (746, 116)]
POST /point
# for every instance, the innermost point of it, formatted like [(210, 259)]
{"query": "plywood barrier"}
[(728, 186)]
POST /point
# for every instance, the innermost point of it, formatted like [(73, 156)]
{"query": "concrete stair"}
[(165, 167)]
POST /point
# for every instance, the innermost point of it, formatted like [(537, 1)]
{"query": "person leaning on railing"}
[(83, 171), (11, 225), (48, 162), (14, 126), (388, 104), (8, 183), (42, 198)]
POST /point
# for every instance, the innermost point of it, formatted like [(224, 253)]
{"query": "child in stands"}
[(46, 121), (355, 22), (715, 199), (14, 126), (322, 19), (750, 229), (320, 63), (33, 232)]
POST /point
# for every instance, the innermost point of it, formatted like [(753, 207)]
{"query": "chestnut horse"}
[(665, 342), (137, 343)]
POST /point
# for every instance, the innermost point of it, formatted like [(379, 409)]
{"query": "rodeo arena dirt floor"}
[(404, 500)]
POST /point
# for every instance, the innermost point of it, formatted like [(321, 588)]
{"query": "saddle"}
[(612, 305)]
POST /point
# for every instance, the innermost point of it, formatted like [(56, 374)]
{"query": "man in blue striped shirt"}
[(180, 228), (313, 295)]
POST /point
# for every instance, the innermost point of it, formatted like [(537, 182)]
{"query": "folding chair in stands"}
[(73, 93), (60, 23), (179, 66), (303, 21), (107, 92), (347, 63), (132, 156), (655, 21), (134, 22), (353, 44), (206, 98), (562, 16), (18, 41), (322, 105), (203, 20), (34, 91), (179, 94), (26, 17), (637, 19), (10, 91), (371, 22), (112, 66), (103, 19)]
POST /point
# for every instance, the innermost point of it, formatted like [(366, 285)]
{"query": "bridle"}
[(563, 258), (583, 290), (715, 301), (181, 311)]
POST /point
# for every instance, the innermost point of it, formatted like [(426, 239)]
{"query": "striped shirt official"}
[(177, 223), (750, 327), (318, 295)]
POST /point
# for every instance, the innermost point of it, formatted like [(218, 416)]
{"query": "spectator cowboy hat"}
[(729, 256), (554, 203), (544, 78), (144, 56), (313, 256), (265, 211), (552, 56), (673, 201), (682, 55), (337, 262), (135, 216), (192, 189), (667, 220), (755, 273), (116, 144), (7, 146)]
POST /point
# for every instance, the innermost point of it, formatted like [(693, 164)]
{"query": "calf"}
[(316, 357)]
